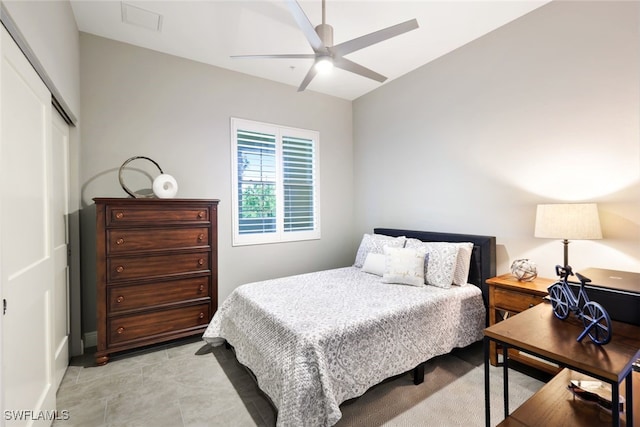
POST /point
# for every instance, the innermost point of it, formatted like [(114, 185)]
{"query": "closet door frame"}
[(60, 245)]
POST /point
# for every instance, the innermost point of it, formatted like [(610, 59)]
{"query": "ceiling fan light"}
[(324, 65)]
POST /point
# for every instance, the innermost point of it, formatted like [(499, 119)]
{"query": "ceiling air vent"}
[(139, 17)]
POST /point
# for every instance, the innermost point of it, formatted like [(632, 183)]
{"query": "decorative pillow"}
[(442, 261), (463, 263), (374, 264), (375, 243), (426, 266), (404, 266)]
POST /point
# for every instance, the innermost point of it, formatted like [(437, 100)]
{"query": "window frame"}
[(279, 132)]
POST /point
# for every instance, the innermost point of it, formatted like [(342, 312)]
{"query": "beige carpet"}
[(451, 395)]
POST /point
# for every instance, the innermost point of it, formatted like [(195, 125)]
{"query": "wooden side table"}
[(509, 296), (539, 332)]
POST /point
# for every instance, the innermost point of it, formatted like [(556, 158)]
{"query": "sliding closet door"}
[(27, 265)]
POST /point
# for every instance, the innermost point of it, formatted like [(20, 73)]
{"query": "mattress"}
[(315, 340)]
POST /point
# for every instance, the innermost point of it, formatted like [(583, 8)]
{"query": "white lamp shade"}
[(570, 221)]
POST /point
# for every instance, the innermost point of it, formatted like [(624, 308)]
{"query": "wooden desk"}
[(539, 332)]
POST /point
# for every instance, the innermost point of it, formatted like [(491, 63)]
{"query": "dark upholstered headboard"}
[(483, 257)]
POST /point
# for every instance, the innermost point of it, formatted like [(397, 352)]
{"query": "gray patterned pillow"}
[(441, 266), (463, 263), (375, 243)]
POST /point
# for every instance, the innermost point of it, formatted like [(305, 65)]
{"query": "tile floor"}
[(180, 384)]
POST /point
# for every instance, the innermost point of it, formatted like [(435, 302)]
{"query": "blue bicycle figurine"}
[(595, 318)]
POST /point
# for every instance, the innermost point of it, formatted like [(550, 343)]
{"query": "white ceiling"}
[(210, 31)]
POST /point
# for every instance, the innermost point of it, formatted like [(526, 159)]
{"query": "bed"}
[(313, 341)]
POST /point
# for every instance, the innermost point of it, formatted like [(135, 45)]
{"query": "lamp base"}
[(565, 243)]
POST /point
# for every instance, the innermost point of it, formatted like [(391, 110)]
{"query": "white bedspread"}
[(316, 340)]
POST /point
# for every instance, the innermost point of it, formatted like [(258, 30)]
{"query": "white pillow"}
[(404, 266), (463, 263), (375, 243), (374, 264), (442, 261)]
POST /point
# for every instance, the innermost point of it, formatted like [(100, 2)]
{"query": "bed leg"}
[(418, 374)]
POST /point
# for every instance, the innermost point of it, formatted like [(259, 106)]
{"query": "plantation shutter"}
[(298, 183), (256, 154), (275, 183)]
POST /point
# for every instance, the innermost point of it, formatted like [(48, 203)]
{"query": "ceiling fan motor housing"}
[(325, 32)]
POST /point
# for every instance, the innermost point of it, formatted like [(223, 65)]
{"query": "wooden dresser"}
[(157, 271)]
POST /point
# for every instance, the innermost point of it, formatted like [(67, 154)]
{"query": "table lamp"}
[(568, 221)]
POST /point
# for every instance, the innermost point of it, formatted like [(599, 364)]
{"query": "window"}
[(275, 179)]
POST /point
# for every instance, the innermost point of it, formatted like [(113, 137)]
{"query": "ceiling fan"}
[(326, 54)]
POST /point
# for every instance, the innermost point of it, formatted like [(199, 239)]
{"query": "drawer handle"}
[(120, 241), (120, 330), (201, 214), (200, 237), (119, 269), (531, 305), (119, 215), (201, 261), (201, 316), (201, 288), (119, 299)]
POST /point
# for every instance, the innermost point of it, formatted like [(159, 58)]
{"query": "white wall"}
[(140, 102), (545, 109)]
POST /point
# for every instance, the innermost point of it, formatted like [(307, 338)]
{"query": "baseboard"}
[(90, 339)]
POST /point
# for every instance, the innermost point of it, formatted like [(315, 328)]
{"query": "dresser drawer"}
[(121, 298), (513, 300), (147, 325), (124, 240), (124, 215), (126, 268)]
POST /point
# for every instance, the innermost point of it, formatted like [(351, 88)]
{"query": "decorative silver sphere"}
[(524, 270)]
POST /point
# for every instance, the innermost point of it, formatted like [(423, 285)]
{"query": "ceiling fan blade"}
[(373, 38), (345, 64), (283, 56), (306, 26), (307, 79)]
